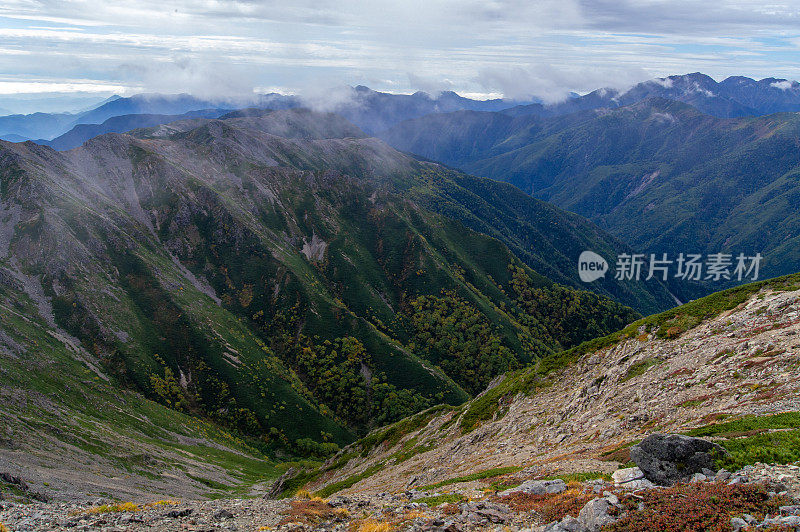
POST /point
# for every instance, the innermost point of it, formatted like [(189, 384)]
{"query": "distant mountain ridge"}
[(735, 96), (368, 109), (659, 174), (120, 124), (374, 111)]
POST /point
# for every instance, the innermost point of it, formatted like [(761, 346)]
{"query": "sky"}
[(59, 54)]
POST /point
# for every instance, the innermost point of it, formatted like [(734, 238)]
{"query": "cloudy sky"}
[(70, 52)]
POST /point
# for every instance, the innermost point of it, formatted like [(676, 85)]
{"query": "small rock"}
[(339, 500), (569, 524), (737, 523), (537, 487), (722, 475), (175, 514), (631, 478), (222, 514), (594, 515)]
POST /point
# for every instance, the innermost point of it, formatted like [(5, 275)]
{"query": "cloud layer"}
[(516, 48)]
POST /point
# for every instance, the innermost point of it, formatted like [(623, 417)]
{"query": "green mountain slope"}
[(71, 432), (286, 277), (658, 174)]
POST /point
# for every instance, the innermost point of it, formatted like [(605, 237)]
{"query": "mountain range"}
[(735, 96), (192, 293), (286, 276), (372, 111), (659, 174)]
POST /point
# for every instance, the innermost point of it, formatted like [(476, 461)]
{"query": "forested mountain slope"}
[(720, 366), (284, 276)]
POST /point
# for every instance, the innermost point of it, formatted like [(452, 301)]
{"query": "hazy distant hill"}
[(659, 174), (736, 96), (120, 124), (370, 110)]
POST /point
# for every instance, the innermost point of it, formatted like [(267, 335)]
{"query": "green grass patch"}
[(581, 477), (639, 368), (691, 403), (392, 434), (411, 449), (770, 447), (213, 484), (330, 489), (786, 420), (751, 439), (484, 407), (436, 500), (489, 473)]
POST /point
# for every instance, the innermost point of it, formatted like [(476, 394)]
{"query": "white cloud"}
[(782, 85), (41, 87), (514, 47), (553, 84), (666, 118)]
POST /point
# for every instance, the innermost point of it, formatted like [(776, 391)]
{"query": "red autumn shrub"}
[(552, 507), (700, 506)]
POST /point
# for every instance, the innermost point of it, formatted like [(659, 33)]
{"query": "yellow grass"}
[(374, 526), (120, 507), (113, 508), (161, 503)]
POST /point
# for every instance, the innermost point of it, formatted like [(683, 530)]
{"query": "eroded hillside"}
[(730, 355), (280, 275)]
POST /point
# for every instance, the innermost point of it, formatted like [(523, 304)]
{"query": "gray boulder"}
[(669, 458), (568, 524), (594, 515), (537, 487), (737, 523), (482, 512)]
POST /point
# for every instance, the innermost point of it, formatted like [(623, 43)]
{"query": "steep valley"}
[(730, 356), (272, 321), (272, 285)]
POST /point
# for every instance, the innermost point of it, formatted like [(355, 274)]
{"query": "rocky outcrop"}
[(537, 487), (667, 459)]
